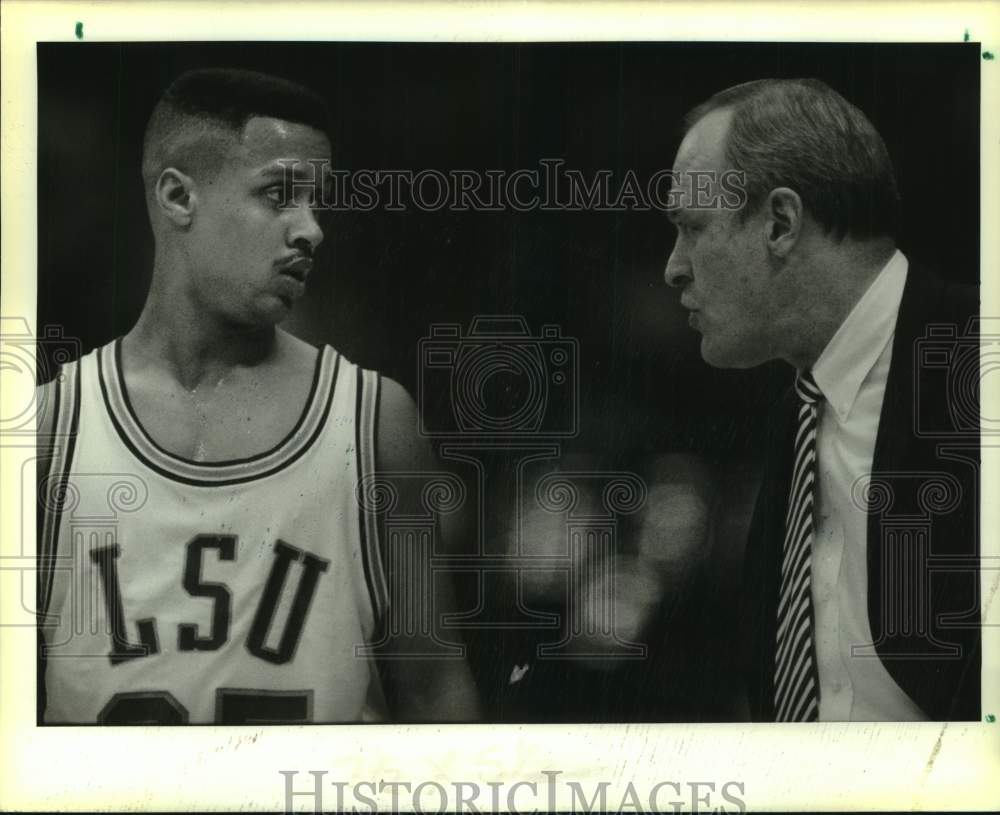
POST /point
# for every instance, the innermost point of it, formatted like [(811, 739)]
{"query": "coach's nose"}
[(678, 270)]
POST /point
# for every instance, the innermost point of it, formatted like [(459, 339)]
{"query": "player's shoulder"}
[(52, 397), (399, 445), (396, 410), (396, 405), (65, 371)]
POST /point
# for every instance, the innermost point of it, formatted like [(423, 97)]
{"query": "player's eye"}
[(277, 195), (284, 197)]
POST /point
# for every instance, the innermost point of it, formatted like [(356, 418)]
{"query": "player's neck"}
[(191, 345)]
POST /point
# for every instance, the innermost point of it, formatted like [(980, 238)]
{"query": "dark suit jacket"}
[(923, 514)]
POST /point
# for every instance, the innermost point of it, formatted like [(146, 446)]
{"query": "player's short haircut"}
[(802, 134), (204, 111)]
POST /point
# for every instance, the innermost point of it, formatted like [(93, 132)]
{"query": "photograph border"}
[(827, 766)]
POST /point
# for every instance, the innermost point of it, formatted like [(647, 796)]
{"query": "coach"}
[(861, 590)]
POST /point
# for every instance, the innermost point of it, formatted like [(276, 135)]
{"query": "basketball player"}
[(240, 573)]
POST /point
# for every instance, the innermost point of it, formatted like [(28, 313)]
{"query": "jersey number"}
[(232, 706), (189, 636)]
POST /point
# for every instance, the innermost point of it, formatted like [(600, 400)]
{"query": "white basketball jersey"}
[(209, 592)]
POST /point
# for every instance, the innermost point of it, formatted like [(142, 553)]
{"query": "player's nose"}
[(305, 227)]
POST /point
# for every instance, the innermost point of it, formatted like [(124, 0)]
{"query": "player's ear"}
[(783, 220), (175, 197)]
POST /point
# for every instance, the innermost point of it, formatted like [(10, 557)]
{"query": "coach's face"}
[(253, 233), (720, 264)]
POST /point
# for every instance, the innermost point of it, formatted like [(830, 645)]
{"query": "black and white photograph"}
[(441, 385)]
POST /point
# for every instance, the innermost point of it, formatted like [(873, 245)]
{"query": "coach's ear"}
[(783, 221), (175, 196)]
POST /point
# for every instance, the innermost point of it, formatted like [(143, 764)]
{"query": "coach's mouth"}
[(692, 312), (687, 304)]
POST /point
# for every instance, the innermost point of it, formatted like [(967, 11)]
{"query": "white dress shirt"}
[(851, 372)]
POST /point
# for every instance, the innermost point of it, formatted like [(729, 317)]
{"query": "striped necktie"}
[(796, 683)]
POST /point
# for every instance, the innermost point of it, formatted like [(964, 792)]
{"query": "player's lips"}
[(297, 267), (292, 276)]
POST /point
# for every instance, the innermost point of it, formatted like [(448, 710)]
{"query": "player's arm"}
[(420, 689)]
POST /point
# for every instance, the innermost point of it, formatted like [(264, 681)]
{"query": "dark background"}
[(383, 278)]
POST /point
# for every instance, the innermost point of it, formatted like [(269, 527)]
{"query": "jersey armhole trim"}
[(54, 490), (366, 429)]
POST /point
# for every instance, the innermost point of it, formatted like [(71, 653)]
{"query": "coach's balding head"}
[(774, 277)]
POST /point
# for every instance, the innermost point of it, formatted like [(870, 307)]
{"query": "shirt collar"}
[(862, 337)]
